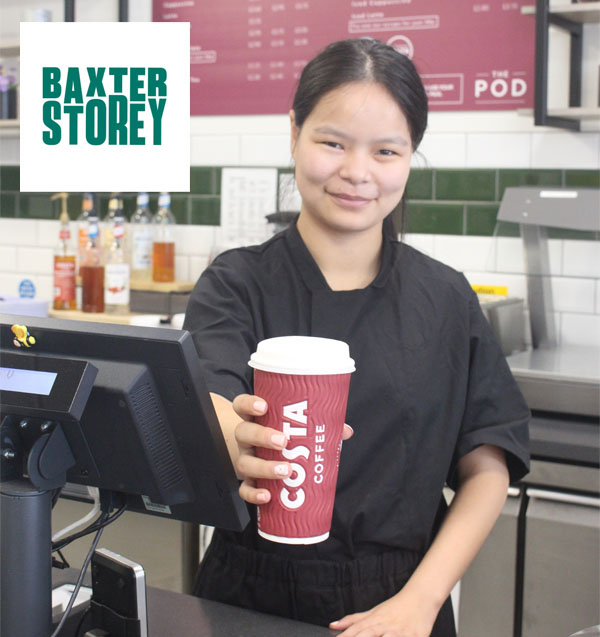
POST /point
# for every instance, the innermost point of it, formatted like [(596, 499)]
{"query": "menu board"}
[(247, 55)]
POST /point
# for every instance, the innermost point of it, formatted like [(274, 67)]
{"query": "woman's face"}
[(352, 157)]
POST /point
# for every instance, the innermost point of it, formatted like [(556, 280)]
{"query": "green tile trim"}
[(435, 218), (203, 180), (10, 178), (565, 233), (481, 219), (8, 205), (582, 178), (206, 211), (420, 184), (465, 185), (38, 206), (180, 208), (513, 178)]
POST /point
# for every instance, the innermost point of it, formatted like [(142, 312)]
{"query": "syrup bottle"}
[(163, 248), (64, 262), (116, 269), (92, 270), (140, 233)]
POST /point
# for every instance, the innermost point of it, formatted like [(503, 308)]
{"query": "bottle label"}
[(116, 284), (118, 231), (82, 238), (64, 234), (64, 279), (141, 249)]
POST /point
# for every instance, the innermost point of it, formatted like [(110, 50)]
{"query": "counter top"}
[(562, 379)]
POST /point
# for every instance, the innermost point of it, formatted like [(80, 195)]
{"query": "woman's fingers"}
[(251, 434), (251, 494), (246, 406)]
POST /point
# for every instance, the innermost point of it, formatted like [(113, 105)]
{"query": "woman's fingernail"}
[(278, 439), (282, 470), (262, 497), (260, 405)]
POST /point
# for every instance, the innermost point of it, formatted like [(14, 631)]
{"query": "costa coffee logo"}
[(295, 421)]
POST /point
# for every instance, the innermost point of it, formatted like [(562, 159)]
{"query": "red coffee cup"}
[(304, 380)]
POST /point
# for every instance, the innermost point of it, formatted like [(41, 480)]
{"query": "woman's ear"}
[(293, 131)]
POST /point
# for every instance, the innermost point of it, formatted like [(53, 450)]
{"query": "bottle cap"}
[(164, 199), (142, 199)]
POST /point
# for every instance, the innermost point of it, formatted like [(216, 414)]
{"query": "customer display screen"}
[(26, 381)]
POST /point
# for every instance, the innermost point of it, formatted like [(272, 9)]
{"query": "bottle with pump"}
[(163, 250), (87, 207), (116, 276), (140, 234), (92, 269), (64, 262)]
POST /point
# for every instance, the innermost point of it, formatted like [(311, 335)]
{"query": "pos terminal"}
[(118, 407)]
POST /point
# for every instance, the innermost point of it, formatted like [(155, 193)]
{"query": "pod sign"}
[(105, 106)]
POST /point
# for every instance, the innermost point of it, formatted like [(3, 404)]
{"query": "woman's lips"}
[(351, 201)]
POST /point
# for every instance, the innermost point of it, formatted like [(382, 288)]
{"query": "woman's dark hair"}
[(364, 60)]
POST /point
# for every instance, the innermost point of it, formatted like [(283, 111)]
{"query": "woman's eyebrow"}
[(393, 139)]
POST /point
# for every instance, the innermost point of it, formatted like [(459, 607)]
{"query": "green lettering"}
[(73, 112), (118, 72), (117, 120), (157, 81), (73, 92), (157, 108), (135, 124), (95, 87), (50, 82), (95, 122), (136, 84), (50, 113)]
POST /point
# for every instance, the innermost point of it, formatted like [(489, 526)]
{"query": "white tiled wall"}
[(574, 266), (26, 253)]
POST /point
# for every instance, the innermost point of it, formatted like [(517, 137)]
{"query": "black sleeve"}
[(219, 318), (495, 411)]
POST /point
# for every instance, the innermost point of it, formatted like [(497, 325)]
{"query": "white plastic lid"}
[(302, 355), (143, 199)]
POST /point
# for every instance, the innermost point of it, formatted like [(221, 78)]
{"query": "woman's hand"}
[(404, 615), (250, 435)]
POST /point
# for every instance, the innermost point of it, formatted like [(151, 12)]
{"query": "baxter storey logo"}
[(105, 107), (112, 114)]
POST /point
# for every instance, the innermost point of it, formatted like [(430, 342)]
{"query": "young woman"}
[(432, 401)]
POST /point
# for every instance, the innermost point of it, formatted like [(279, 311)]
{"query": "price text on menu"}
[(247, 55)]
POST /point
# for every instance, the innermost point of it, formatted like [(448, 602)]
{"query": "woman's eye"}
[(332, 144), (386, 152)]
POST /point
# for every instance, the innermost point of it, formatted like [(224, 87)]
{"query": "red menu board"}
[(247, 55)]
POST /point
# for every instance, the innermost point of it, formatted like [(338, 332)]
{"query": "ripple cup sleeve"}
[(305, 381)]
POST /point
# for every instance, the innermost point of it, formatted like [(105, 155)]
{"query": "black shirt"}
[(431, 383)]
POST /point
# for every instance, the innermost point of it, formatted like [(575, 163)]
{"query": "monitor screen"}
[(133, 408)]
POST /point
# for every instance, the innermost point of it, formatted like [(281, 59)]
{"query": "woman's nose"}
[(355, 167)]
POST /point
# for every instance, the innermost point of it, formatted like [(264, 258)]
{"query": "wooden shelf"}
[(10, 48), (586, 12), (153, 286), (96, 317)]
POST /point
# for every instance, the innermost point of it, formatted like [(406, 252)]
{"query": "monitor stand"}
[(26, 557), (26, 514)]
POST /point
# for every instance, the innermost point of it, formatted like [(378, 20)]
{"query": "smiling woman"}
[(431, 402)]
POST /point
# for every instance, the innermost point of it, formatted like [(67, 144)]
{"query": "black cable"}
[(99, 523), (88, 559)]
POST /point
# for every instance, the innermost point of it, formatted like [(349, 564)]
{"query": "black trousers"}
[(312, 591)]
